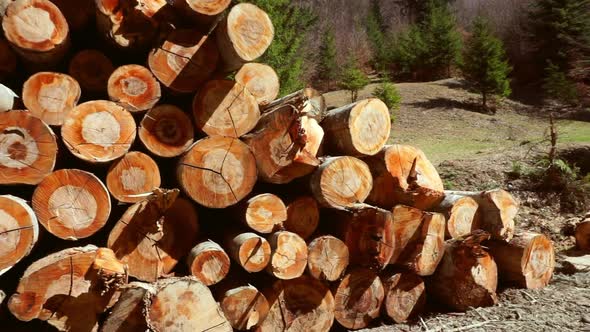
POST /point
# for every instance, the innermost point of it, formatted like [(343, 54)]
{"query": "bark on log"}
[(462, 215), (8, 60), (72, 204), (405, 296), (19, 231), (166, 131), (225, 108), (134, 87), (527, 260), (244, 35), (497, 208), (37, 31), (203, 12), (327, 258), (127, 314), (154, 234), (467, 275), (208, 262), (288, 257), (184, 305), (299, 305), (250, 251), (133, 177), (217, 172), (341, 182), (583, 236), (185, 61), (358, 298), (98, 131), (245, 307), (303, 216), (264, 213), (403, 175), (308, 101), (359, 129), (51, 96), (419, 239), (92, 70), (69, 289), (261, 80), (27, 148)]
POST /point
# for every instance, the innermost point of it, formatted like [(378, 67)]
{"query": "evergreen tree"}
[(327, 65), (485, 65), (411, 52), (376, 31), (558, 86), (353, 79)]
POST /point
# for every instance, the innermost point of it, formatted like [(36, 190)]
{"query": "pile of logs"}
[(277, 214)]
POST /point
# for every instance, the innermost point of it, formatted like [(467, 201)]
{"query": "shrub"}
[(388, 93), (353, 79)]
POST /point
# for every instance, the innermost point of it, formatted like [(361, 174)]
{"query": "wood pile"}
[(151, 179)]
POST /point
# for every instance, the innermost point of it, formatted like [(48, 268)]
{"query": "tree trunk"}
[(98, 131), (127, 314), (202, 12), (308, 101), (405, 296), (153, 234), (208, 262), (27, 148), (299, 305), (582, 235), (264, 213), (261, 80), (484, 101), (92, 70), (133, 177), (166, 131), (8, 59), (42, 44), (19, 230), (303, 216), (462, 215), (341, 182), (527, 260), (250, 251), (72, 204), (467, 275), (327, 259), (245, 307), (217, 172), (288, 257), (359, 129), (134, 87), (497, 209), (225, 108), (403, 175), (358, 298), (419, 239), (69, 289), (243, 35), (184, 305), (185, 61)]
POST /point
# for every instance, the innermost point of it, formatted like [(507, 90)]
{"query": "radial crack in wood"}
[(19, 231)]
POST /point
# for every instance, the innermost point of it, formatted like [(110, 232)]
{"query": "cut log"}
[(78, 13), (27, 148), (245, 307), (69, 289), (341, 182), (250, 251), (261, 80), (405, 296), (37, 31), (497, 208), (134, 87), (359, 129), (462, 215), (19, 231), (7, 98), (133, 177), (92, 70), (358, 298), (208, 262), (419, 239), (8, 60), (527, 260), (72, 204), (51, 96), (403, 175), (166, 131), (203, 12), (309, 101), (299, 305), (98, 131), (244, 35), (288, 255), (217, 172), (127, 314), (583, 236), (303, 216), (185, 61), (153, 234), (184, 305), (225, 108), (264, 213), (467, 275), (327, 259)]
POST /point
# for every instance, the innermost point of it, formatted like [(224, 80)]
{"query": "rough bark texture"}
[(134, 87), (462, 215), (19, 231), (327, 258), (288, 257), (133, 177), (51, 96), (166, 131), (208, 262), (405, 296)]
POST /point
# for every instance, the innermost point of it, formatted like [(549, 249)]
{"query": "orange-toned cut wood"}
[(461, 213), (245, 307), (288, 257), (202, 12), (327, 258), (133, 177), (308, 100), (92, 70), (303, 216), (261, 80), (7, 98), (250, 251), (405, 296), (27, 148), (208, 262), (127, 314), (72, 204), (51, 96), (134, 87), (263, 213), (19, 231), (582, 235), (98, 131), (166, 131), (8, 60), (217, 172), (358, 298)]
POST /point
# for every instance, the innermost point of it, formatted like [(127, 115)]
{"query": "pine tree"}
[(376, 31), (327, 65), (353, 79), (485, 65)]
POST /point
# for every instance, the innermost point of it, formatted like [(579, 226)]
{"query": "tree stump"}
[(208, 262), (303, 216), (245, 307), (51, 96), (405, 296), (19, 231), (264, 213), (261, 80), (133, 177), (127, 314), (166, 131), (250, 251), (462, 215), (327, 258), (358, 298), (134, 87), (92, 70), (288, 257)]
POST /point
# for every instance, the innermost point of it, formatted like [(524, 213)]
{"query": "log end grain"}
[(288, 255), (261, 80), (328, 258), (19, 231), (405, 296), (583, 236), (166, 131), (303, 216), (133, 177), (245, 307), (134, 87), (250, 251), (264, 213), (208, 262)]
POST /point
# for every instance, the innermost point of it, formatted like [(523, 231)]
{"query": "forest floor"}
[(475, 151)]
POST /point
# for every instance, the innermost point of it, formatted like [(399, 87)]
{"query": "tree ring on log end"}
[(19, 231)]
